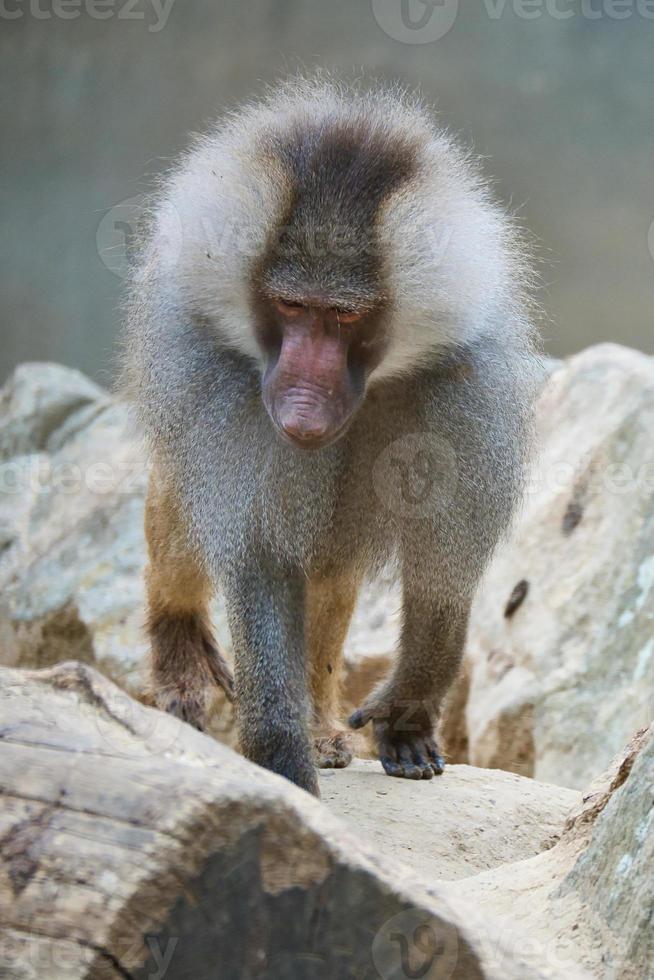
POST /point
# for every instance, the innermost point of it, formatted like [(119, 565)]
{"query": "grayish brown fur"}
[(264, 518)]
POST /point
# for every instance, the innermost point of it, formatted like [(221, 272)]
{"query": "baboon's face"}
[(320, 297), (317, 361)]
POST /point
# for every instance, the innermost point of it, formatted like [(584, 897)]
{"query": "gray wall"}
[(561, 106)]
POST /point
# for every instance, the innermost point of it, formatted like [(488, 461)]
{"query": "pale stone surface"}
[(558, 685), (128, 840), (588, 902), (71, 525), (614, 876), (453, 826), (38, 402)]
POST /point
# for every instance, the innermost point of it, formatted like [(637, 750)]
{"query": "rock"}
[(453, 827), (561, 645), (38, 403), (587, 903), (133, 846), (71, 525), (612, 879)]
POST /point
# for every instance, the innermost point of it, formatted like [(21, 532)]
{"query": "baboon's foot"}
[(297, 768), (283, 749), (403, 732), (333, 749), (188, 702), (186, 668), (189, 695)]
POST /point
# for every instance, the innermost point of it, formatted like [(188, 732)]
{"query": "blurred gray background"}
[(99, 94)]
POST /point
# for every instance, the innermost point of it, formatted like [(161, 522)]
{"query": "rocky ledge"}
[(133, 846)]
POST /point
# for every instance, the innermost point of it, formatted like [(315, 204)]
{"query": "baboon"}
[(330, 354)]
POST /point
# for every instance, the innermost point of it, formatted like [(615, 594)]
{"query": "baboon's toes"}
[(333, 750), (186, 707), (412, 758)]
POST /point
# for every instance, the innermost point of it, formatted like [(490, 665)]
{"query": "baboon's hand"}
[(404, 733)]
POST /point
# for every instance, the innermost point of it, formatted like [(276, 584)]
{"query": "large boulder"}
[(133, 846), (588, 901), (612, 879), (71, 525), (451, 828), (561, 646)]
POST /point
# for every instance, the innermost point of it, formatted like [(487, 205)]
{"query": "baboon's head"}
[(319, 292), (335, 238)]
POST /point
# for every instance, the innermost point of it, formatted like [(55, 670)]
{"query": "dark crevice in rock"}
[(55, 418), (18, 848), (78, 419), (121, 971), (517, 597), (74, 675), (59, 635), (572, 517)]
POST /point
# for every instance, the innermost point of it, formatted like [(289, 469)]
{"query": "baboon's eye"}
[(348, 316), (287, 307)]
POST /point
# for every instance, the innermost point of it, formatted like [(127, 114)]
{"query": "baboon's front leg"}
[(266, 609), (330, 603), (404, 710), (185, 661)]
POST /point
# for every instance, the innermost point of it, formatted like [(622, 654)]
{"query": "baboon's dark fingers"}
[(410, 759), (407, 759), (391, 767), (435, 758), (361, 716), (421, 762)]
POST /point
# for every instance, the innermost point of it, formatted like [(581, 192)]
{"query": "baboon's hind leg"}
[(330, 603), (186, 662)]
